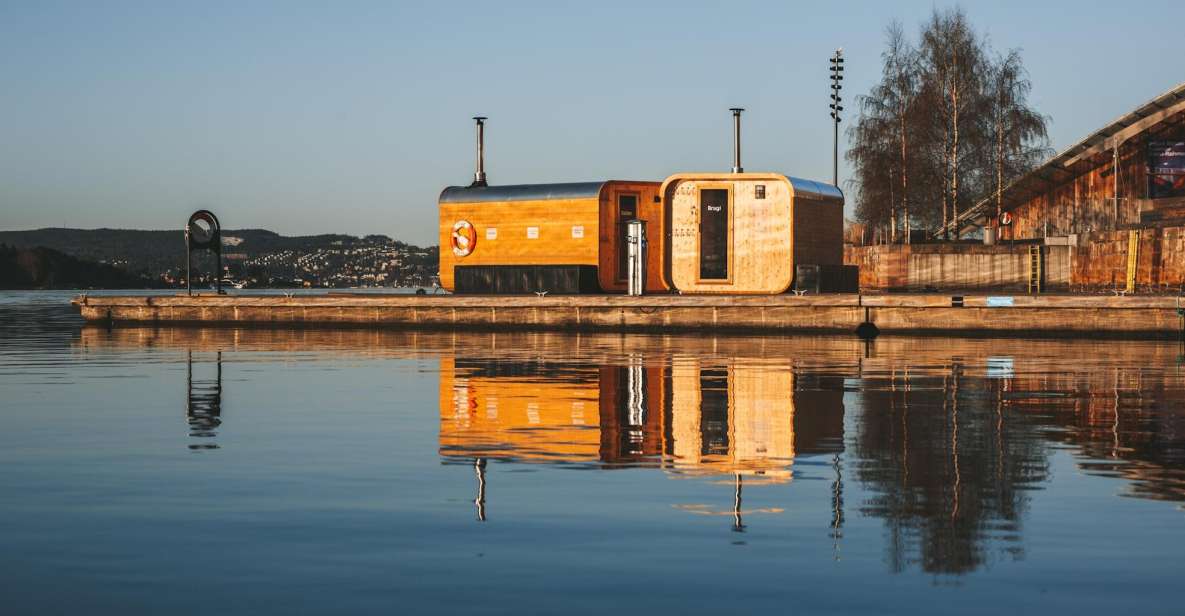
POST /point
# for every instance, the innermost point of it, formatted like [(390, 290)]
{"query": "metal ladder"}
[(1036, 264)]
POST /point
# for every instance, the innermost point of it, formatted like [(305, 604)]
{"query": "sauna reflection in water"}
[(946, 446), (949, 455), (684, 415)]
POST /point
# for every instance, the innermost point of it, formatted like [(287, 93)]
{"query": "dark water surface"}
[(255, 471)]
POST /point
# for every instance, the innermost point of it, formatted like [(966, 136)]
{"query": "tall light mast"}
[(836, 108)]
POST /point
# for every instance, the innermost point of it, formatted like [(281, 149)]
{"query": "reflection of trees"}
[(948, 468)]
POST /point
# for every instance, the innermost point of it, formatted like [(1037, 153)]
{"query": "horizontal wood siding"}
[(554, 220)]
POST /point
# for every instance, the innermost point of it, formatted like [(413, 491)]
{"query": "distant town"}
[(252, 258), (371, 261)]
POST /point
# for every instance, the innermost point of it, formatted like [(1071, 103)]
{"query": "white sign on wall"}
[(491, 233), (532, 233), (577, 231)]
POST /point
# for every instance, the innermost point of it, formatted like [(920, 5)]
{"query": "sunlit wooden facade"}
[(577, 224), (737, 233), (743, 233)]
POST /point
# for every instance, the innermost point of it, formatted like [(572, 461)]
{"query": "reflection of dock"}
[(1029, 315)]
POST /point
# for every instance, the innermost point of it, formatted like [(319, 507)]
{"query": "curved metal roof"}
[(1076, 159), (521, 192), (810, 189), (807, 189)]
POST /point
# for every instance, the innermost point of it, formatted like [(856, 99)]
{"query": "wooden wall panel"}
[(818, 232), (761, 259), (555, 244)]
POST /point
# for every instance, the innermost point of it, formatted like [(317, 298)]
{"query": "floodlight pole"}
[(836, 108)]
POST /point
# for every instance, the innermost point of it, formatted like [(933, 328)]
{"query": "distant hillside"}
[(152, 252), (257, 257), (45, 268)]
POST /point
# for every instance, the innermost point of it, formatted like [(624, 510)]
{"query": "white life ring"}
[(1006, 218), (464, 238)]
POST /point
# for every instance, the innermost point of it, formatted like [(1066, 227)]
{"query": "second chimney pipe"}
[(736, 140), (479, 176)]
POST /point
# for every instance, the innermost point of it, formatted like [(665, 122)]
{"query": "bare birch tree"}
[(948, 124)]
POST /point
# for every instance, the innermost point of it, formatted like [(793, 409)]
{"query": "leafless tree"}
[(948, 124), (1017, 133)]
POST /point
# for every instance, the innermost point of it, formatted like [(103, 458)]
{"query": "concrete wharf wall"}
[(1079, 316)]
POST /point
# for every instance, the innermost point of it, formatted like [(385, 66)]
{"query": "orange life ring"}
[(464, 238), (1006, 218)]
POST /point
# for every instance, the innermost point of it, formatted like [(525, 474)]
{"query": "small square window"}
[(760, 191)]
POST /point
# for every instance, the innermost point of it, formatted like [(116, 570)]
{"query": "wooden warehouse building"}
[(1107, 213), (1116, 200)]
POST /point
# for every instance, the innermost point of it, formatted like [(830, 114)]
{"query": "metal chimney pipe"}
[(736, 140), (479, 176)]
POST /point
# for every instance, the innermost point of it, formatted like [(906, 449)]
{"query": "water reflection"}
[(687, 415), (203, 403), (946, 445)]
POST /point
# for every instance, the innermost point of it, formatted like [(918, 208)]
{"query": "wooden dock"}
[(1044, 315)]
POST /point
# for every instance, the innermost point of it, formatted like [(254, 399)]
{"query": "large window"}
[(713, 234), (627, 210)]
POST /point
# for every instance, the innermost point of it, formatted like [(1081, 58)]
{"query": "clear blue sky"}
[(352, 116)]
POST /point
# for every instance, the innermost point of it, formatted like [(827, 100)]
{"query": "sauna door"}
[(713, 234)]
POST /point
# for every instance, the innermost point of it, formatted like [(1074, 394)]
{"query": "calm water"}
[(192, 470)]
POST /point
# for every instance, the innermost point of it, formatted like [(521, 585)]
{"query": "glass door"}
[(713, 234)]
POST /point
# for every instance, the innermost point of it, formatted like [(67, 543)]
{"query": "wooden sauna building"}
[(746, 233), (707, 233), (563, 238)]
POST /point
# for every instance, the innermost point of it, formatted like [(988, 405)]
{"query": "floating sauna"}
[(728, 233), (744, 233), (566, 238)]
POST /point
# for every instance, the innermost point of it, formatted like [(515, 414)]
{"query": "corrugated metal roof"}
[(1150, 113), (521, 192)]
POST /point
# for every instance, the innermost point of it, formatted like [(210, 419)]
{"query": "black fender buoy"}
[(867, 330)]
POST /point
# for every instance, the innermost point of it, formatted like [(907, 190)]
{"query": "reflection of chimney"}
[(479, 467), (479, 176), (736, 140)]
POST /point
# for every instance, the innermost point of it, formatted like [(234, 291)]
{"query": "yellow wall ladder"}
[(1036, 263)]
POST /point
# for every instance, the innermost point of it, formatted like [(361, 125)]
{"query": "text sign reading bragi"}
[(998, 301), (1166, 169)]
